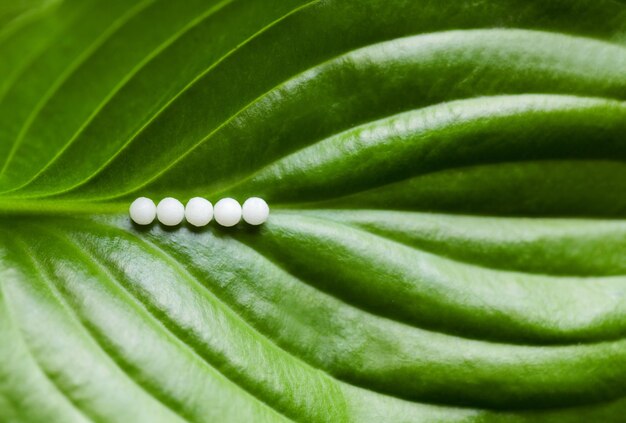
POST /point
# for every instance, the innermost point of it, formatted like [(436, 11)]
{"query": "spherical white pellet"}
[(255, 211), (227, 212), (142, 211), (170, 211), (199, 211)]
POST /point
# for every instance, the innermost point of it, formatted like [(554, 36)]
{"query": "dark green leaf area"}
[(446, 182)]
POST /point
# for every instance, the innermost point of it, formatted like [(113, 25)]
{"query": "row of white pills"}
[(199, 211)]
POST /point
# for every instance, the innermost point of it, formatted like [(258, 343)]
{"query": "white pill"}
[(199, 211), (142, 211), (255, 211), (170, 211), (227, 212)]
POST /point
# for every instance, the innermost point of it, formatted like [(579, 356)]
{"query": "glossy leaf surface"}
[(447, 185)]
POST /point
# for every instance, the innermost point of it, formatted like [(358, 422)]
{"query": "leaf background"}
[(446, 182)]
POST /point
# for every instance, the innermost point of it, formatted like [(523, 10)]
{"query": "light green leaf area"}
[(447, 240)]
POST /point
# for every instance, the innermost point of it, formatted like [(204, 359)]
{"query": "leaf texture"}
[(447, 235)]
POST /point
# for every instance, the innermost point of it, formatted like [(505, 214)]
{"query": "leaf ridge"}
[(164, 325), (303, 75)]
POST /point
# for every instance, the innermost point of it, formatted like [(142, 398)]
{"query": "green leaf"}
[(447, 235)]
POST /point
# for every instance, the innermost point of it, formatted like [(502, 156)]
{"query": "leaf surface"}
[(446, 240)]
